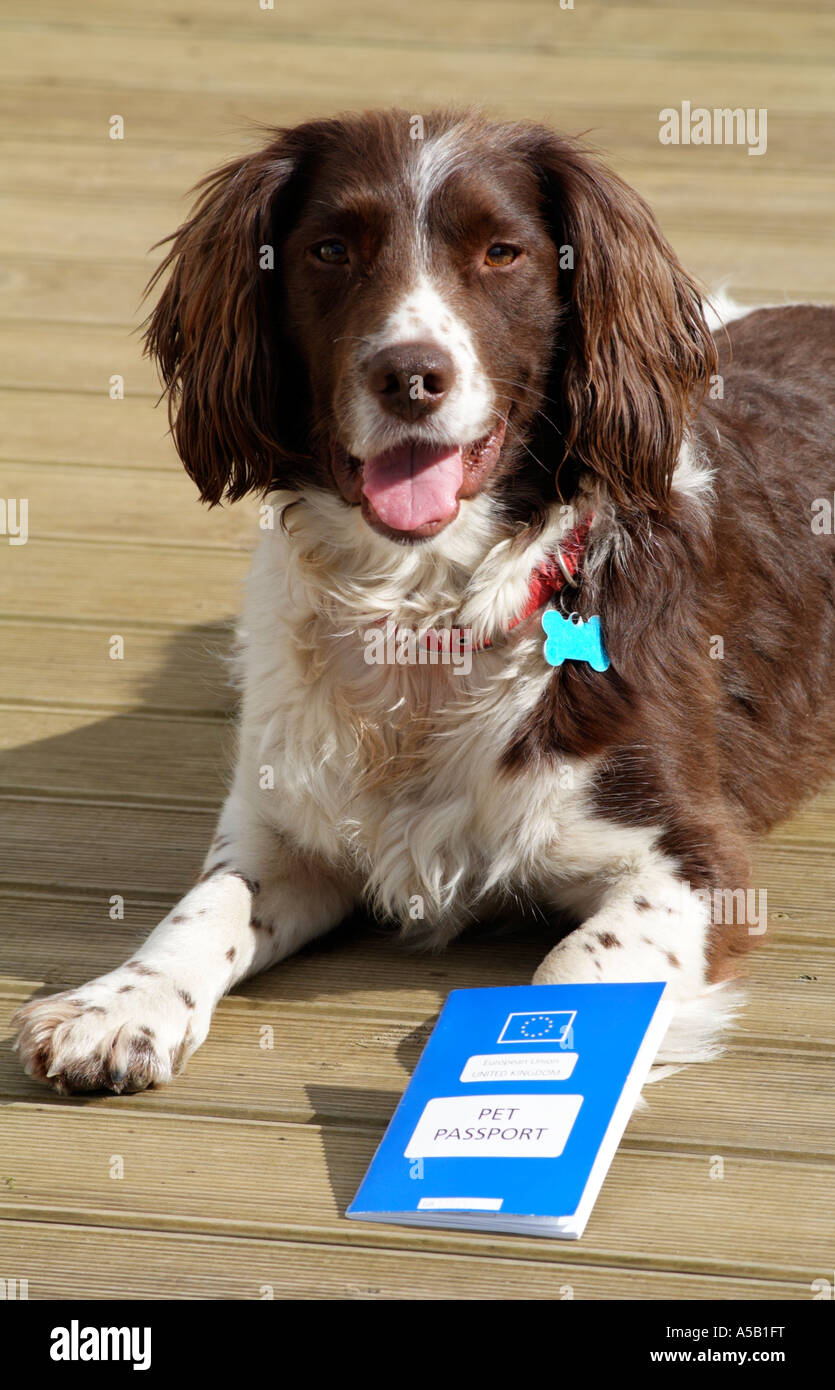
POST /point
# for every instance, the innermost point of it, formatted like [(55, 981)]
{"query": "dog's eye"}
[(500, 254), (331, 252)]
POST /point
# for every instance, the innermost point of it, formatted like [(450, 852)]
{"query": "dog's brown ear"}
[(212, 332), (635, 355)]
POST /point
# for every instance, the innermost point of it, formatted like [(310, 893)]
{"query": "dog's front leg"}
[(649, 925), (257, 901)]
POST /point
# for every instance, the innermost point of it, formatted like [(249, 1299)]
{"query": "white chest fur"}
[(391, 769)]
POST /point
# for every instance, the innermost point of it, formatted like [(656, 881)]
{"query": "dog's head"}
[(411, 312)]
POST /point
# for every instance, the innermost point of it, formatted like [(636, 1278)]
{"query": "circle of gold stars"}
[(537, 1032)]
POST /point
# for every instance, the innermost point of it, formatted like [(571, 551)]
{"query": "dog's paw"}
[(123, 1032)]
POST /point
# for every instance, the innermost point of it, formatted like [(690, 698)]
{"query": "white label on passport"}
[(502, 1126), (520, 1066)]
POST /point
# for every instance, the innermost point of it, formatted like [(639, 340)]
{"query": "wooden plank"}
[(805, 879), (187, 760), (166, 120), (122, 585), (107, 170), (62, 427), (344, 1065), (68, 664), (124, 237), (461, 70), (222, 125), (744, 196), (597, 27), (75, 930), (63, 358), (70, 937), (247, 1178), (151, 1265), (367, 15), (48, 842), (68, 501), (813, 824), (809, 6), (49, 290)]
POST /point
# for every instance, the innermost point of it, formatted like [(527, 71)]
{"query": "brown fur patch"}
[(252, 883), (608, 939)]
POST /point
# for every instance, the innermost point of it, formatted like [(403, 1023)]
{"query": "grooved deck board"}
[(159, 1264), (126, 505), (247, 1178), (124, 582), (69, 664), (59, 942), (536, 23), (741, 1105)]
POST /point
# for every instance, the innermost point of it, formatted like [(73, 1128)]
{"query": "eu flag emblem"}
[(551, 1027)]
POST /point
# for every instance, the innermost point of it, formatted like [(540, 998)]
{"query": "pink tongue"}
[(414, 485)]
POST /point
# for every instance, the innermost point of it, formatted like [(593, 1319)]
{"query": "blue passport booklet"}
[(516, 1108)]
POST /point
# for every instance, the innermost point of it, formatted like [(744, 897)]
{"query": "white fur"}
[(720, 310), (693, 476), (435, 159), (648, 927)]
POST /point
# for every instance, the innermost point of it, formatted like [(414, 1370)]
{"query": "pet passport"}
[(516, 1108)]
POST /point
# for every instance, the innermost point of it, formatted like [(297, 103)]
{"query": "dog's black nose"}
[(411, 379)]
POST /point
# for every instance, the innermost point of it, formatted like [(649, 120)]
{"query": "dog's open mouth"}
[(414, 491)]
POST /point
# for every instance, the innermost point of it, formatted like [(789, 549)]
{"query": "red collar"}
[(550, 577)]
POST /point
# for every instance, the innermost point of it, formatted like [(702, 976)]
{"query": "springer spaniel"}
[(476, 389)]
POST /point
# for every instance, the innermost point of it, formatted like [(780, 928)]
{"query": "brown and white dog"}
[(468, 372)]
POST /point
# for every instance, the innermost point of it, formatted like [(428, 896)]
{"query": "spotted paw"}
[(123, 1032)]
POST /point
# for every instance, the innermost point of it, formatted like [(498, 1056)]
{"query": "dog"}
[(474, 387)]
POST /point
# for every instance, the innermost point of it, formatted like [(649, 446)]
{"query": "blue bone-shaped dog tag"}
[(573, 639)]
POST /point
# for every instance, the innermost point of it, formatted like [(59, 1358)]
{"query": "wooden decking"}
[(235, 1179)]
